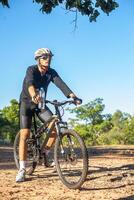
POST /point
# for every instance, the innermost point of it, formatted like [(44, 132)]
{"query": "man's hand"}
[(36, 99), (34, 94), (76, 99)]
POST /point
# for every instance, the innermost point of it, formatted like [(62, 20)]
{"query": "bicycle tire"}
[(29, 169), (73, 162)]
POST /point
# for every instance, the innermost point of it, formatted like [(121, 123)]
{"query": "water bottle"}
[(41, 105)]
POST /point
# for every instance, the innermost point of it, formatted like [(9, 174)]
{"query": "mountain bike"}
[(70, 153)]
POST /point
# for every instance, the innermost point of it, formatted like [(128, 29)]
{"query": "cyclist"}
[(37, 76)]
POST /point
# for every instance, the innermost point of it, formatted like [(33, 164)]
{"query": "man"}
[(37, 77)]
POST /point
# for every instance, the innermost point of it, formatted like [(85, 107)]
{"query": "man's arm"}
[(56, 79), (30, 84), (77, 100), (34, 95)]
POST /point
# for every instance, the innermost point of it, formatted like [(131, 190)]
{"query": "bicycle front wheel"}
[(31, 154), (71, 159)]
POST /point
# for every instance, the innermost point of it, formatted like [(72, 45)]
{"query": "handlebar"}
[(57, 103)]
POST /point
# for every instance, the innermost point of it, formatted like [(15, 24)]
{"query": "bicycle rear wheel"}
[(31, 154), (71, 159)]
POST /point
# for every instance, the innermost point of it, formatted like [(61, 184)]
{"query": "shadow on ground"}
[(126, 198), (7, 159)]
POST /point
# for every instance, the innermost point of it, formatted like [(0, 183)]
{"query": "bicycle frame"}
[(56, 122)]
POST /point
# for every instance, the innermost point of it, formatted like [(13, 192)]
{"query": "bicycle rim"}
[(71, 159), (31, 155)]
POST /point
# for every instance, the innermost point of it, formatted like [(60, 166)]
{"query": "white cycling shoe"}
[(52, 164), (21, 175)]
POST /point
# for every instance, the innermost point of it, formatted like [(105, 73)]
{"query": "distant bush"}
[(111, 138)]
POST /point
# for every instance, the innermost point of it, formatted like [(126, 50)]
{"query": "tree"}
[(9, 116), (129, 131), (121, 129), (11, 112), (90, 8), (3, 125), (4, 3), (90, 113), (119, 120), (90, 121)]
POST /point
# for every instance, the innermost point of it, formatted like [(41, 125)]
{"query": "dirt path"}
[(110, 177)]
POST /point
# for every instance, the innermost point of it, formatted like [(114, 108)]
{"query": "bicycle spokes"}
[(70, 159)]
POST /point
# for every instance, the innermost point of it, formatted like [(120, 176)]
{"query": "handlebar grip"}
[(77, 100)]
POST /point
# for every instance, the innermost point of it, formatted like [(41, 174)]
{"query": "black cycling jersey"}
[(27, 107), (34, 77)]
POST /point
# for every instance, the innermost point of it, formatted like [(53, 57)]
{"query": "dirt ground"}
[(110, 177)]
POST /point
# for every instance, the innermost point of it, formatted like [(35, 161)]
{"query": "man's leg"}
[(45, 116), (24, 134), (25, 125), (49, 145), (52, 137)]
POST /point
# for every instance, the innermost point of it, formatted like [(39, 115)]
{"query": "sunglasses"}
[(45, 56)]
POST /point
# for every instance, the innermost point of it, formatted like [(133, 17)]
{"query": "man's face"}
[(44, 62)]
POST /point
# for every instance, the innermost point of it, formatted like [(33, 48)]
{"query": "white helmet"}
[(42, 51)]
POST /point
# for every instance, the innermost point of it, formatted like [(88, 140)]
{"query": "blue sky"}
[(95, 61)]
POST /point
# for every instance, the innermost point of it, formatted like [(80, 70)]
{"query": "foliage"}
[(90, 8), (9, 121), (113, 137), (4, 3), (90, 113), (119, 118), (89, 121), (129, 131), (94, 121), (3, 125), (98, 128)]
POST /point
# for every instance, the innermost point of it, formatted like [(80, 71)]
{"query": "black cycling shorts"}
[(27, 110)]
